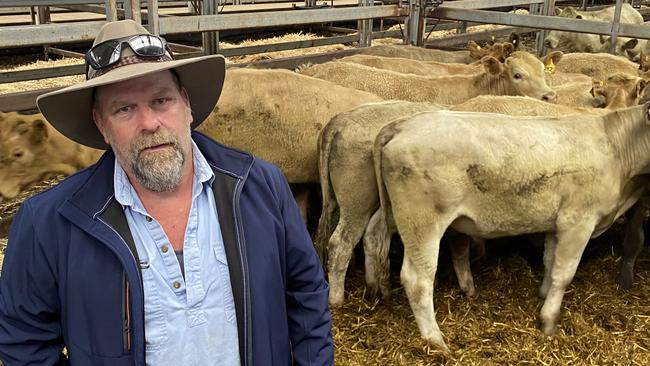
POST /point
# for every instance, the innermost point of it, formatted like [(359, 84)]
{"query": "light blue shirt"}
[(188, 320)]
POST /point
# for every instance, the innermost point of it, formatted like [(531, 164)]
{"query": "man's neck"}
[(171, 209)]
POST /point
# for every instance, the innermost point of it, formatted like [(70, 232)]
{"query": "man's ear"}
[(186, 100), (99, 123)]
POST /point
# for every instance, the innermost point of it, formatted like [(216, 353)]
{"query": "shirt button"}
[(148, 218), (165, 248), (176, 284)]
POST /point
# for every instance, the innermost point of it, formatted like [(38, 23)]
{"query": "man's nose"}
[(148, 119)]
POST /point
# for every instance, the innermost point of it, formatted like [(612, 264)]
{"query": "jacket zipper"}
[(126, 315), (242, 254)]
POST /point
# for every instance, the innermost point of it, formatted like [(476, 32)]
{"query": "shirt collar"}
[(125, 193)]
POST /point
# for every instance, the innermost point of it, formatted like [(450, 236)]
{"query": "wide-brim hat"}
[(69, 109)]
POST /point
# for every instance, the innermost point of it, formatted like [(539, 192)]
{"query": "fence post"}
[(210, 39), (135, 13), (152, 17), (548, 9), (412, 23), (43, 15), (111, 10), (616, 25), (364, 26)]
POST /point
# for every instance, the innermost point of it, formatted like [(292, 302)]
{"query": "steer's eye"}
[(18, 154), (517, 76)]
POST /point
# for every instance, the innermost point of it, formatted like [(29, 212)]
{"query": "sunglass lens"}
[(146, 45), (106, 53)]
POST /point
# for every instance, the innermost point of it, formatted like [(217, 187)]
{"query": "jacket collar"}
[(97, 191)]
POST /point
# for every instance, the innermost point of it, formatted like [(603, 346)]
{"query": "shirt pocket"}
[(154, 317), (224, 283)]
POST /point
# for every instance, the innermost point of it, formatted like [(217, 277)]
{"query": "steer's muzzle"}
[(550, 43), (550, 97)]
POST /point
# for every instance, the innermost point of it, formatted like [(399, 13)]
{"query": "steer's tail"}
[(329, 215), (385, 226)]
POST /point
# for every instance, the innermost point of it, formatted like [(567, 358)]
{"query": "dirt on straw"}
[(600, 324)]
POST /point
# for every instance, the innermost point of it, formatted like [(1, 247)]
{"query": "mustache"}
[(143, 142)]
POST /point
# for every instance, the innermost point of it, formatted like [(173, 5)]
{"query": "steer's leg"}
[(376, 245), (571, 242), (632, 244), (347, 234), (459, 245), (550, 242), (421, 237)]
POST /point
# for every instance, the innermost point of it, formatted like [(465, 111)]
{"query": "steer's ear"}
[(644, 62), (640, 87), (39, 131), (475, 51), (630, 44), (557, 11), (492, 65), (553, 57), (515, 41)]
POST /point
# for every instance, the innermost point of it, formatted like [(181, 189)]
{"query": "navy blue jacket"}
[(70, 276)]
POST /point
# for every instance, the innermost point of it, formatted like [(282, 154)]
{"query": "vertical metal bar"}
[(126, 5), (462, 28), (548, 9), (365, 26), (152, 16), (412, 22), (43, 15), (210, 39), (32, 14), (136, 15), (422, 20), (616, 24), (111, 10)]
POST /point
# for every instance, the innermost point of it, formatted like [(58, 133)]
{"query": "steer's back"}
[(500, 175)]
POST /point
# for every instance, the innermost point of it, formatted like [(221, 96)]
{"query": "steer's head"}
[(619, 91), (521, 74), (21, 138)]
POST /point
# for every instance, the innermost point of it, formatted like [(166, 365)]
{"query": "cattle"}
[(493, 175), (522, 106), (498, 50), (633, 241), (619, 91), (584, 42), (31, 149), (348, 185), (521, 74), (418, 53), (626, 47), (408, 66), (345, 146), (277, 115), (596, 65)]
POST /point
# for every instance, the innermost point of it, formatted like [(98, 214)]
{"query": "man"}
[(172, 249)]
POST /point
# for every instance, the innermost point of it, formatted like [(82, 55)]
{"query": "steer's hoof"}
[(625, 280)]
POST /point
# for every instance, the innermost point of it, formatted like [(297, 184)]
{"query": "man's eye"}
[(160, 101), (124, 109)]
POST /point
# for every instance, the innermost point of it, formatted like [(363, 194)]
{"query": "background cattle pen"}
[(600, 325)]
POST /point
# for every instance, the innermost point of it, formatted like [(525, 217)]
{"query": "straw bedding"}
[(600, 324)]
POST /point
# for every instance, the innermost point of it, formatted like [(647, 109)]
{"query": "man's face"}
[(146, 121)]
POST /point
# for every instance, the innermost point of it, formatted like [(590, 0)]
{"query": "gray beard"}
[(159, 172)]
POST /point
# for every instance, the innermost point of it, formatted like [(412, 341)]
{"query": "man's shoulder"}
[(57, 194)]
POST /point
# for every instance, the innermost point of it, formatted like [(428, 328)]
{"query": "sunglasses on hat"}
[(109, 52)]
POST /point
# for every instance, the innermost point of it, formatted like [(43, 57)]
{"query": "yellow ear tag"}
[(478, 47), (550, 67), (601, 83)]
